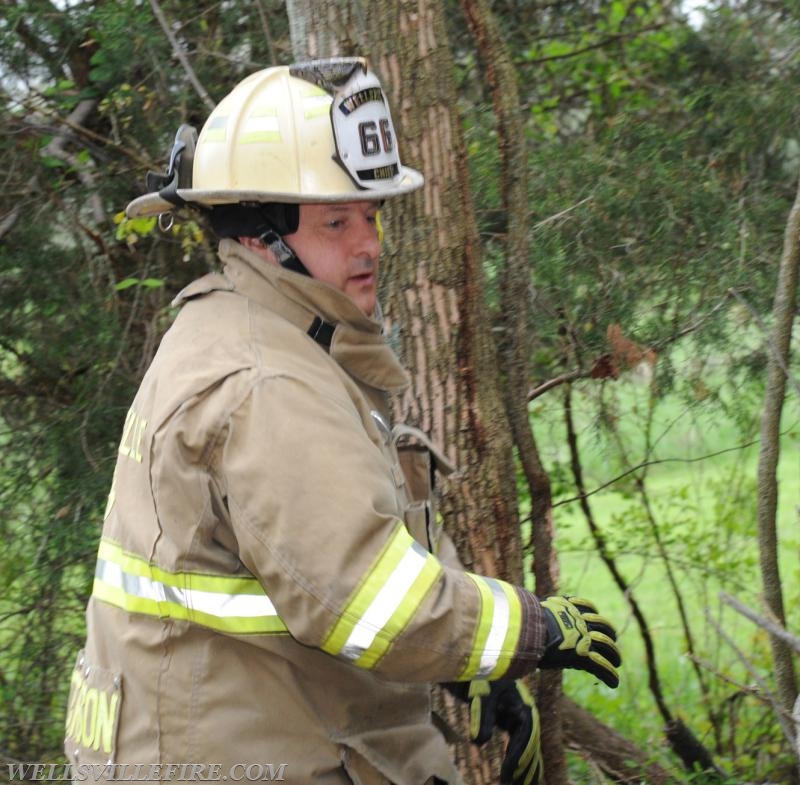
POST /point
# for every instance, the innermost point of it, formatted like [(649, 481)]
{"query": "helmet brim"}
[(153, 204)]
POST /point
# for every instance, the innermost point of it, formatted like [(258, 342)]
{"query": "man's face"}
[(338, 244)]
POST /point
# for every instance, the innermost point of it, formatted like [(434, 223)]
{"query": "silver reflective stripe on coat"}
[(233, 604)]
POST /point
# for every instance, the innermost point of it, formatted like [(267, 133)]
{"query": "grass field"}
[(705, 513)]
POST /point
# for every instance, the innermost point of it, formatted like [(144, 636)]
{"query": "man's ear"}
[(256, 244), (253, 243)]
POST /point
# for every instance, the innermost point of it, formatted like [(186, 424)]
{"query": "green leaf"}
[(51, 162), (147, 283)]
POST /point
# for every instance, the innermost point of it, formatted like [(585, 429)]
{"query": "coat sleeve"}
[(314, 509)]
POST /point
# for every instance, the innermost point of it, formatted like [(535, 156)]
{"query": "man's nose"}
[(368, 242)]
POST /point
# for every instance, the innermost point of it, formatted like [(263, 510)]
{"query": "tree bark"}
[(433, 287), (515, 287), (435, 302), (783, 311)]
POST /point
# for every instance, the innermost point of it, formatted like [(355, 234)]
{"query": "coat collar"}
[(358, 343)]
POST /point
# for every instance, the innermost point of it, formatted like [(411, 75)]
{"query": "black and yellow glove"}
[(508, 705), (579, 637)]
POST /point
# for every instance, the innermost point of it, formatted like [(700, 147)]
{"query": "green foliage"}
[(60, 416), (91, 96), (663, 164)]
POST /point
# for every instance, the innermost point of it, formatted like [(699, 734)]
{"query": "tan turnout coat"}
[(269, 585)]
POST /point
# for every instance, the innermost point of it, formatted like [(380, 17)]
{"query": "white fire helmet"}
[(319, 131)]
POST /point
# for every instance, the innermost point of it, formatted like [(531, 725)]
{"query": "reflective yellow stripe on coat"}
[(498, 631), (375, 615), (381, 607), (235, 605)]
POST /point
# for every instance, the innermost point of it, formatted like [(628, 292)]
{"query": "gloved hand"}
[(578, 637), (508, 705)]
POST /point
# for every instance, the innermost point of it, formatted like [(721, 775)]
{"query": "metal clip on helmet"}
[(319, 131)]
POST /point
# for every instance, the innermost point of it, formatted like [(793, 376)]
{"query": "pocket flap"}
[(407, 434)]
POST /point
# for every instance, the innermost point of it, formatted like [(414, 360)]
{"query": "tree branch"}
[(181, 55), (608, 41), (57, 149), (774, 701), (653, 680), (655, 462), (772, 627)]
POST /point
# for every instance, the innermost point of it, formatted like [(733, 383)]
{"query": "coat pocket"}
[(420, 462), (93, 710), (404, 755)]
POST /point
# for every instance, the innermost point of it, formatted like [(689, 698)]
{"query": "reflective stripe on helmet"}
[(232, 604), (261, 126), (385, 602), (498, 630), (316, 102)]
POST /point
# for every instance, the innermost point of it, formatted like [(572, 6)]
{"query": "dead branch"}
[(787, 729), (181, 55), (621, 760), (772, 627)]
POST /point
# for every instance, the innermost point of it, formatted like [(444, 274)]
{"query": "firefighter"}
[(273, 592)]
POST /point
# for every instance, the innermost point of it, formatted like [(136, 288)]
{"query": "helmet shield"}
[(362, 129)]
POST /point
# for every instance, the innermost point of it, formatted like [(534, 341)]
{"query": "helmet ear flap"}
[(254, 219)]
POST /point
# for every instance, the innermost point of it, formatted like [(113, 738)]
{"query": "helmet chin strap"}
[(286, 257), (320, 330)]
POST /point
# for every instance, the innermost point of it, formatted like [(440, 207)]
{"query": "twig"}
[(773, 350), (563, 378), (653, 679), (770, 626), (181, 55), (552, 218), (611, 39), (580, 373), (773, 701), (83, 131), (688, 330), (655, 462)]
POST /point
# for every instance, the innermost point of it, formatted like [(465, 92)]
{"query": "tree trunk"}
[(515, 285), (432, 287), (435, 302), (777, 371)]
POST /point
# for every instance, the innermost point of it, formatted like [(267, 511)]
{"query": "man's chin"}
[(365, 300)]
